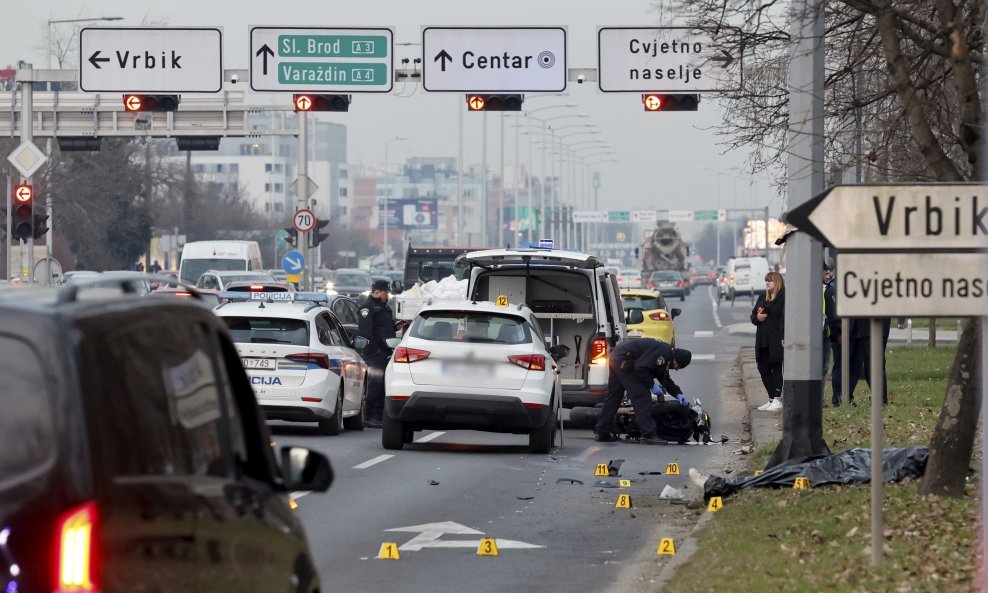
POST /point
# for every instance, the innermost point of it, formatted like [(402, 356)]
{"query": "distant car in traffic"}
[(218, 279), (629, 279), (703, 275), (474, 366), (135, 458), (657, 318), (669, 282), (350, 282), (301, 361), (206, 298)]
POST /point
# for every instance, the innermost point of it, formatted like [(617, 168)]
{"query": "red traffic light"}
[(23, 193), (671, 102), (494, 102), (476, 103), (303, 102), (652, 102), (133, 102), (321, 102)]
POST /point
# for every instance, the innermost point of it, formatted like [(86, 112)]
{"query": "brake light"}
[(681, 283), (76, 558), (410, 355), (651, 284), (257, 287), (320, 360), (183, 294), (598, 351), (532, 362), (659, 316)]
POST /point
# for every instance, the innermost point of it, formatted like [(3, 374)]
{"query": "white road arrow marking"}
[(429, 534)]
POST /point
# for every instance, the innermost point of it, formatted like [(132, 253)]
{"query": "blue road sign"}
[(293, 262)]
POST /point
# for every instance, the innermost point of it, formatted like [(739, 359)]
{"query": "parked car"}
[(476, 366), (657, 319), (135, 457)]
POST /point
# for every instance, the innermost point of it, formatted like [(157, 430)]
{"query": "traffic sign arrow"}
[(95, 60), (443, 56), (264, 52), (897, 217)]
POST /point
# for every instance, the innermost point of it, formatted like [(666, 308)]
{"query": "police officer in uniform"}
[(377, 325), (634, 366)]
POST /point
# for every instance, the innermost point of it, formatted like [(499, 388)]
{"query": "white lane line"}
[(429, 437), (703, 334), (713, 306), (703, 357), (374, 461)]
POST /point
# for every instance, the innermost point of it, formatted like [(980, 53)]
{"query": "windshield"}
[(460, 326), (193, 268), (642, 302), (351, 279), (266, 330)]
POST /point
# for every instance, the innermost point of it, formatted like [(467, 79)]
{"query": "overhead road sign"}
[(911, 284), (494, 59), (681, 216), (897, 217), (664, 59), (589, 216), (151, 59), (312, 60), (643, 216)]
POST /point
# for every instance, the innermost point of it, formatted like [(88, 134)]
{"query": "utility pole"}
[(483, 192), (460, 218), (302, 188), (500, 194), (27, 135), (8, 260)]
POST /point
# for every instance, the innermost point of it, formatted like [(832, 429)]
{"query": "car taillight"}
[(183, 294), (320, 360), (410, 355), (532, 362), (598, 351), (651, 284), (257, 287), (681, 283), (76, 550), (659, 316)]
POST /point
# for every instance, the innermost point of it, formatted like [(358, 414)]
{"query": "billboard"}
[(416, 213)]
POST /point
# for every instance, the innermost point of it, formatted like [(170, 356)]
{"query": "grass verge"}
[(818, 540)]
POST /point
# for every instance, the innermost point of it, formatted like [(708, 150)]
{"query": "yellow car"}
[(657, 319)]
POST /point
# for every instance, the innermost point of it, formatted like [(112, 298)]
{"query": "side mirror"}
[(305, 470), (392, 342), (559, 351), (674, 313), (397, 287), (635, 316), (360, 342)]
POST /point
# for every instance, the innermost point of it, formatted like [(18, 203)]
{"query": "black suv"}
[(134, 455)]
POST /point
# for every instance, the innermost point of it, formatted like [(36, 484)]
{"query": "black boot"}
[(604, 437)]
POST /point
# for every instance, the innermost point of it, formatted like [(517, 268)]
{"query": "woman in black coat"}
[(769, 316)]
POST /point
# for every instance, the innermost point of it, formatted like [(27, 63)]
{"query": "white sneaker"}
[(774, 406), (764, 406), (698, 478)]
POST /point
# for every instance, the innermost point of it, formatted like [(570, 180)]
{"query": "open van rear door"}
[(498, 257)]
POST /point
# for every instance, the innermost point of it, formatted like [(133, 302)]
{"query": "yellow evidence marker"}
[(801, 484), (715, 504), (667, 547), (672, 469), (758, 472), (623, 501), (389, 551), (601, 470), (487, 547), (292, 503), (624, 483), (501, 301)]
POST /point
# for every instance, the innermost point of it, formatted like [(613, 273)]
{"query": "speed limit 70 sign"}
[(304, 220)]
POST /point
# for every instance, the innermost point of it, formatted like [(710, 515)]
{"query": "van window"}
[(26, 421)]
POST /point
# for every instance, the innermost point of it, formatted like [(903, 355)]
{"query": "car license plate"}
[(467, 368), (635, 333), (742, 280), (260, 363)]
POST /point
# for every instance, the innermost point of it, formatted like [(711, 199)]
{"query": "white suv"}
[(299, 358), (474, 366)]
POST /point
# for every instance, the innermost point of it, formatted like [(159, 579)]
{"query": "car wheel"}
[(357, 422), (392, 433), (541, 439), (334, 424)]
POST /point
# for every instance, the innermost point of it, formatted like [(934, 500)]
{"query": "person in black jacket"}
[(861, 356), (769, 315), (377, 324), (833, 331), (634, 366)]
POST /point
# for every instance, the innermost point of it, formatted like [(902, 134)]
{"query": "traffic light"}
[(40, 221), (660, 102), (495, 102), (23, 222), (321, 102), (136, 103), (291, 236), (316, 236)]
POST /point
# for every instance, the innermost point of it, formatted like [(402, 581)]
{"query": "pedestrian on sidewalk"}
[(861, 356), (831, 330), (769, 316)]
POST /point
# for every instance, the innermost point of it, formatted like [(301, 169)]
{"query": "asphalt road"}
[(553, 534)]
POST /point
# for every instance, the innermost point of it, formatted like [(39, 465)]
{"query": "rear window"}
[(643, 303), (268, 330), (667, 275), (461, 326)]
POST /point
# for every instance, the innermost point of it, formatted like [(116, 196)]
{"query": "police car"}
[(302, 363), (475, 366)]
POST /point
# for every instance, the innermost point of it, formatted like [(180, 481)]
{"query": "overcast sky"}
[(665, 160)]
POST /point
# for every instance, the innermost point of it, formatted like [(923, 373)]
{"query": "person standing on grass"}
[(769, 316)]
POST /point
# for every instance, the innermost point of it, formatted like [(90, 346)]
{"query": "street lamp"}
[(387, 196), (718, 172)]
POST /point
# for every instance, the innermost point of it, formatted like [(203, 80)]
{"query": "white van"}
[(201, 256), (746, 275), (575, 299)]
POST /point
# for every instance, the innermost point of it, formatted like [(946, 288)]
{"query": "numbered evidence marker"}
[(501, 300), (487, 547), (624, 483), (758, 472), (715, 504), (389, 551), (623, 501), (667, 547), (801, 484), (602, 470), (672, 469)]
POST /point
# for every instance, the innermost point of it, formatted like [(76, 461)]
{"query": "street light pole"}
[(385, 246)]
